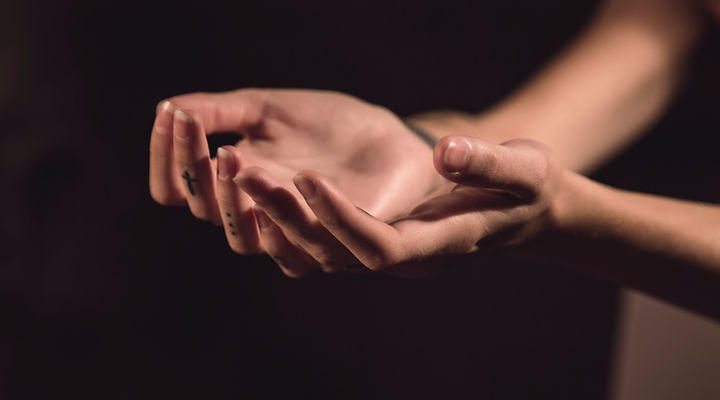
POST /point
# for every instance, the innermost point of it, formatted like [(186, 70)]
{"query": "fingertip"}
[(456, 155), (459, 158), (163, 119), (440, 150), (223, 152), (227, 163), (183, 116), (164, 106), (305, 186)]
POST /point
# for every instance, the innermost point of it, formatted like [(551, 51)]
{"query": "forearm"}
[(598, 94), (666, 247)]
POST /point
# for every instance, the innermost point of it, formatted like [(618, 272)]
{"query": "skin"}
[(522, 197), (381, 165)]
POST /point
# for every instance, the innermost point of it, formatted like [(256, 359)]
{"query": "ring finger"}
[(295, 219), (235, 205)]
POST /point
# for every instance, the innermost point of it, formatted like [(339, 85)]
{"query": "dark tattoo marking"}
[(424, 136), (230, 224), (189, 181)]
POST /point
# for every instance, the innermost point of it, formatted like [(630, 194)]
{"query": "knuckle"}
[(189, 156), (383, 256), (542, 171), (294, 273), (330, 221), (330, 269), (381, 261), (375, 264), (165, 199), (237, 247), (202, 213), (294, 270), (328, 261), (490, 162), (324, 258), (541, 167)]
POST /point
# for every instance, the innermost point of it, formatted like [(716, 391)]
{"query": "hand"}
[(365, 150), (504, 196)]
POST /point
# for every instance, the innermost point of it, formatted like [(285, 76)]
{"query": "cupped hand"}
[(364, 150), (502, 195)]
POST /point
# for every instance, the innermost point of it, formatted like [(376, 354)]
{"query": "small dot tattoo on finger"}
[(230, 225)]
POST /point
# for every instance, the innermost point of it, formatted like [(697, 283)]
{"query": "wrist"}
[(441, 123), (577, 200), (496, 125), (558, 217)]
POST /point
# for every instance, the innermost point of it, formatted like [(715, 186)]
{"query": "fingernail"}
[(163, 106), (305, 186), (225, 163), (457, 155), (181, 132), (262, 219), (182, 116)]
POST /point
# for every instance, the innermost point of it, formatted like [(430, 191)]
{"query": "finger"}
[(376, 244), (450, 223), (519, 166), (295, 219), (165, 182), (192, 158), (225, 112), (235, 206), (292, 261)]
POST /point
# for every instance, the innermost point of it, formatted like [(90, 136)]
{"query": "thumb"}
[(519, 166)]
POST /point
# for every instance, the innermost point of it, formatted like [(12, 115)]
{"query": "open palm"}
[(364, 149)]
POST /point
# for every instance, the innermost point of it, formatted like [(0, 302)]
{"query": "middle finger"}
[(295, 219)]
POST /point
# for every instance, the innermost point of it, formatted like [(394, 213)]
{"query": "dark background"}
[(105, 294)]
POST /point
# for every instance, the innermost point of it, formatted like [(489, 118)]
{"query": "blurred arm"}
[(662, 246), (599, 94)]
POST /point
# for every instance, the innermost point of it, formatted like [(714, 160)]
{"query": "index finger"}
[(374, 243), (447, 224), (232, 111), (165, 182)]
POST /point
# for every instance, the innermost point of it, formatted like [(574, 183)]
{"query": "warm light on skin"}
[(515, 189)]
